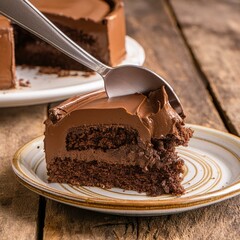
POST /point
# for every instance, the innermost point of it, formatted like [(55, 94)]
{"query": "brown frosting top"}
[(7, 59), (4, 22), (94, 10), (151, 115)]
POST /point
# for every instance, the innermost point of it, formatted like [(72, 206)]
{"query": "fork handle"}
[(27, 16)]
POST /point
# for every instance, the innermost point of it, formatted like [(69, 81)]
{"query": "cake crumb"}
[(24, 66), (24, 83), (88, 74), (48, 70), (57, 70)]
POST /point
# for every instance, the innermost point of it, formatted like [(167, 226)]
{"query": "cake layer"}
[(7, 61), (97, 26), (99, 174), (100, 137)]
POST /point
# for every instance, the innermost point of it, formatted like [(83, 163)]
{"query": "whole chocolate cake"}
[(7, 60), (98, 26), (126, 142)]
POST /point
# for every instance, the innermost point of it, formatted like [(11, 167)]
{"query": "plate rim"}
[(126, 204)]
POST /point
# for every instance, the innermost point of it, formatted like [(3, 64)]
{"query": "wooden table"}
[(196, 46)]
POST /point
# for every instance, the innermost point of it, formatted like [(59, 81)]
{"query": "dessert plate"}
[(212, 175), (46, 88)]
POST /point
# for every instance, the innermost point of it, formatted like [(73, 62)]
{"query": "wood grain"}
[(212, 30), (18, 205), (65, 222), (220, 221), (149, 23)]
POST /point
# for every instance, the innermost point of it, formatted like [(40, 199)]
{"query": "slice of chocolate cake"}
[(125, 142), (98, 26), (7, 60)]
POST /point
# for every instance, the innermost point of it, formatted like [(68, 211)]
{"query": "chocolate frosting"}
[(4, 22), (7, 59), (94, 10), (103, 20), (152, 116)]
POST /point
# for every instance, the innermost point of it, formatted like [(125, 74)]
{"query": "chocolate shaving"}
[(88, 74), (56, 114), (24, 83)]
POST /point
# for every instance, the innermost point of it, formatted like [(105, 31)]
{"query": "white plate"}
[(50, 88), (212, 175)]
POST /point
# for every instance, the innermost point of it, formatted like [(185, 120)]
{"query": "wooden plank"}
[(166, 53), (149, 23), (212, 30), (219, 221), (18, 205), (65, 222)]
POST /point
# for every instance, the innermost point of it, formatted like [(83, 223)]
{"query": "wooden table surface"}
[(195, 45)]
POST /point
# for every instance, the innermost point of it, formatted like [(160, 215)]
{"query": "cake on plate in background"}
[(7, 60), (98, 26)]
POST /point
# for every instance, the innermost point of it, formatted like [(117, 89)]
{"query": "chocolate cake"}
[(98, 26), (7, 61), (126, 142)]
